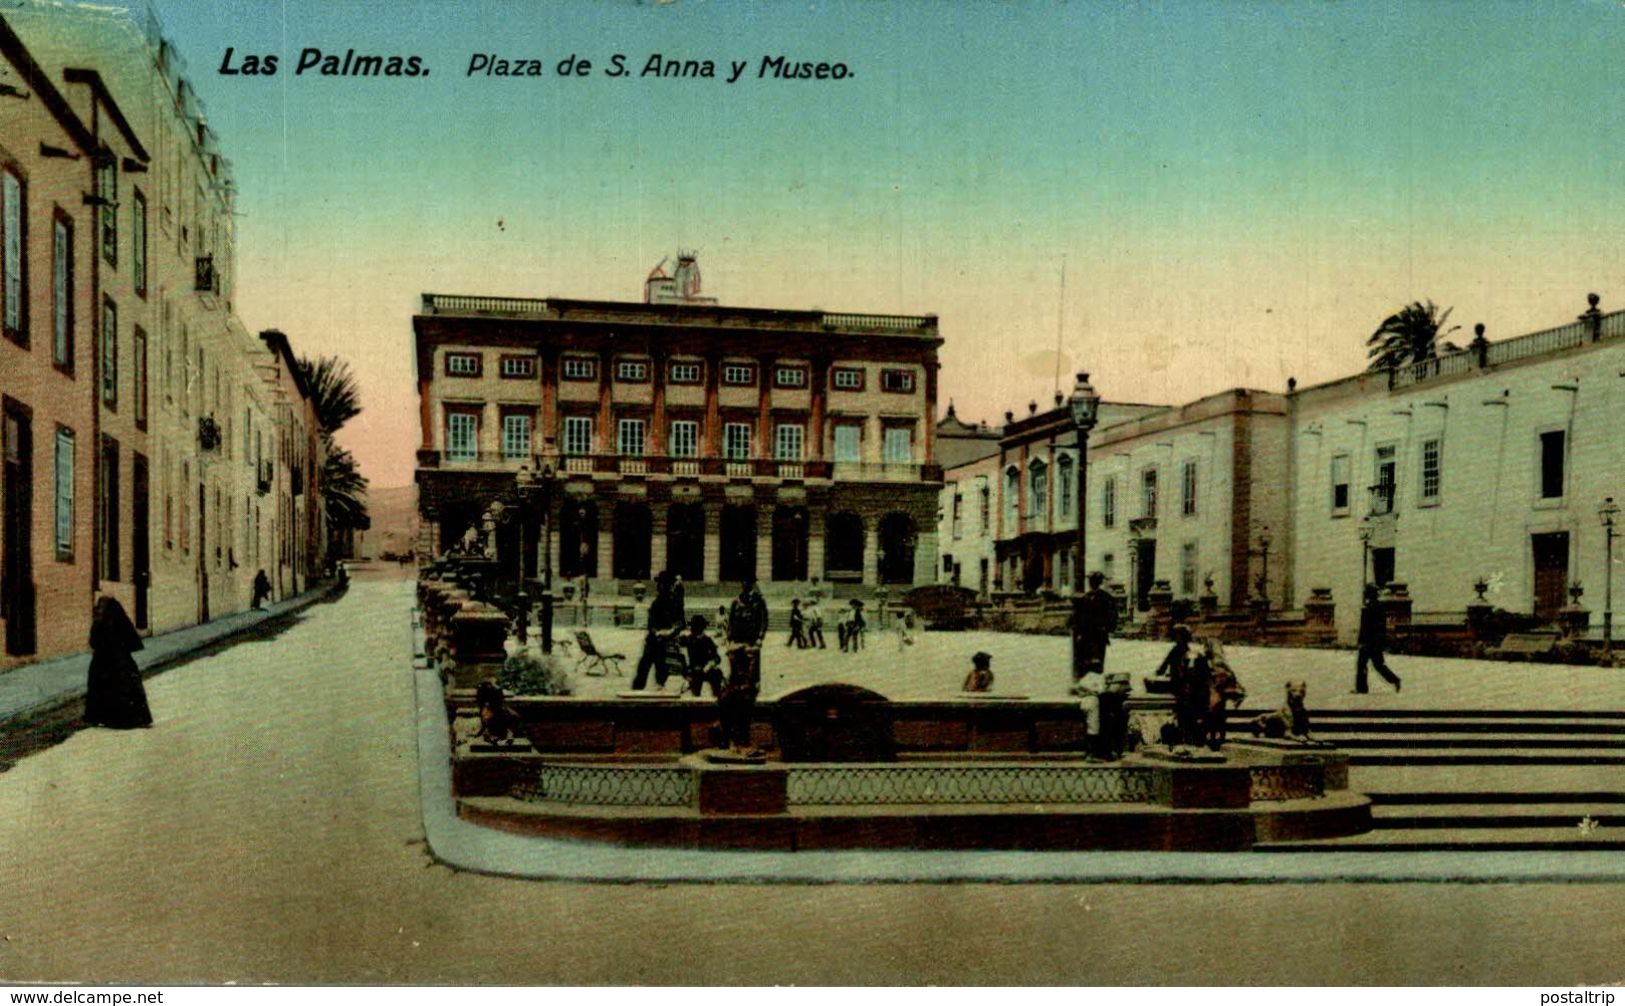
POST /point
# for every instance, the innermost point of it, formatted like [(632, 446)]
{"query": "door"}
[(1145, 572), (1551, 573), (140, 555), (17, 556), (202, 554)]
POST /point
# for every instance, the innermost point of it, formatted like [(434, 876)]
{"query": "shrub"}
[(533, 674)]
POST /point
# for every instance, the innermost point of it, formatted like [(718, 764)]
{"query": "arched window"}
[(1063, 485), (1012, 497), (1037, 489)]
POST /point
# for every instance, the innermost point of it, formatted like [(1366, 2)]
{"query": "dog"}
[(1290, 721), (498, 722)]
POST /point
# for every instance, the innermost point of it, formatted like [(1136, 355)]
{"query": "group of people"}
[(806, 624), (1203, 685)]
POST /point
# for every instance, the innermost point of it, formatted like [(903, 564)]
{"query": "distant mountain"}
[(394, 513)]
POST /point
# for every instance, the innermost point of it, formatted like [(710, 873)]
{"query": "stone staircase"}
[(1499, 781)]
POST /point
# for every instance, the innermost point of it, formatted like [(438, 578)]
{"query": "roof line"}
[(18, 53), (81, 75)]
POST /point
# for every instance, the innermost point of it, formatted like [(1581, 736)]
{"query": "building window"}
[(897, 381), (899, 445), (462, 364), (984, 503), (64, 494), (685, 373), (518, 366), (12, 292), (848, 442), (462, 435), (790, 377), (1037, 490), (847, 378), (787, 442), (1148, 493), (958, 518), (1063, 571), (1108, 502), (109, 354), (629, 437), (1382, 566), (107, 509), (1064, 485), (580, 368), (138, 242), (1432, 470), (738, 374), (1382, 499), (1187, 568), (516, 436), (1187, 489), (138, 346), (1552, 446), (1012, 498), (736, 441), (1340, 483), (62, 292), (1108, 567), (685, 439), (632, 371), (578, 434), (107, 212)]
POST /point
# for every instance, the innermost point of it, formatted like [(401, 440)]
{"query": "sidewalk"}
[(46, 684)]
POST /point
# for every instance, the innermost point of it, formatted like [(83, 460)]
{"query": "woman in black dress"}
[(114, 696)]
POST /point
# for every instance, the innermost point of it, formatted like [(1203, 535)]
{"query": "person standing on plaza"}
[(798, 626), (1093, 635), (262, 589), (980, 678), (114, 695), (815, 622), (1373, 638), (747, 627), (665, 620), (704, 662)]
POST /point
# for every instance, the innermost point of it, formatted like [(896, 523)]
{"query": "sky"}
[(1237, 193)]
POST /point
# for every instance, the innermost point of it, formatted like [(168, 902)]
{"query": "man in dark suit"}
[(1373, 637), (1092, 634)]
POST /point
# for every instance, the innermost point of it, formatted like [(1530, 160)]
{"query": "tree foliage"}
[(344, 489), (1409, 335), (334, 390)]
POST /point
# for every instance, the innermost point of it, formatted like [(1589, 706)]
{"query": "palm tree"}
[(334, 390), (344, 490), (1409, 335)]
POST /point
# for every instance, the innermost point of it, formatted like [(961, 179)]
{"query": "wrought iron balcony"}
[(207, 279), (664, 466)]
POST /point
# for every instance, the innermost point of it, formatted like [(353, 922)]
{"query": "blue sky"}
[(1240, 191)]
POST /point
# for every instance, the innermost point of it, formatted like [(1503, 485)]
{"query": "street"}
[(268, 830)]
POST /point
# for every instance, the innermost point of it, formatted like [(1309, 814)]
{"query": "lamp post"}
[(536, 489), (1085, 407), (1609, 514), (1264, 557)]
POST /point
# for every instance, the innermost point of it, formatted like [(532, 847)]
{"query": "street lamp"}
[(1085, 407), (1609, 514), (531, 486)]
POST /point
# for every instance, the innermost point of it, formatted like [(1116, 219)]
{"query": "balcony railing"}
[(1596, 328), (663, 466)]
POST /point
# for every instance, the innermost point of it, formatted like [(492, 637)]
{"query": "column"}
[(605, 424), (871, 551), (764, 543), (712, 550), (929, 454), (658, 513), (657, 409), (818, 385), (606, 544), (926, 560), (711, 435), (764, 416), (548, 436), (815, 543)]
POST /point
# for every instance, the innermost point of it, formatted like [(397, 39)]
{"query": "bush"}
[(530, 674)]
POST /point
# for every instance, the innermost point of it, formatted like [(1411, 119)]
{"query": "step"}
[(1506, 816), (1390, 756), (1338, 728), (1470, 840), (1398, 781), (1519, 741), (1448, 798)]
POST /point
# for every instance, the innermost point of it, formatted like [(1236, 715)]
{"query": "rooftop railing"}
[(665, 466), (441, 303), (1481, 355)]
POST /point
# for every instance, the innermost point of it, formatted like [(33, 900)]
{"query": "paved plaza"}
[(269, 829)]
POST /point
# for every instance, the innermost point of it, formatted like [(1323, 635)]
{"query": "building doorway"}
[(843, 547), (1145, 572), (897, 541), (633, 535), (140, 538), (17, 602), (1551, 573), (790, 543), (738, 544), (685, 541), (578, 538)]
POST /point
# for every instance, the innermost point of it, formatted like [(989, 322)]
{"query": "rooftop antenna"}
[(1060, 325)]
